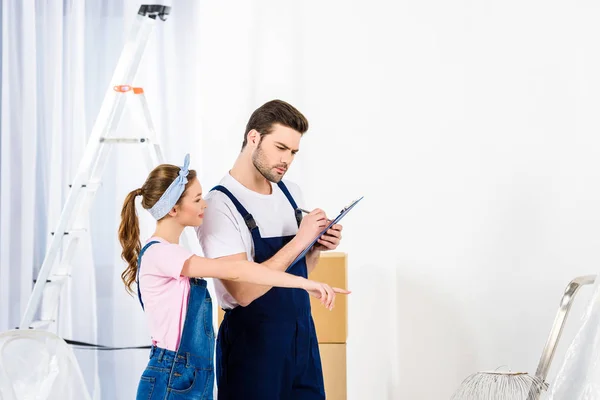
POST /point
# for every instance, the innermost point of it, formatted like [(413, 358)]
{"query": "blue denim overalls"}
[(269, 349), (187, 373)]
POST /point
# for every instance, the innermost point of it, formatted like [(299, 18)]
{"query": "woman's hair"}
[(129, 230)]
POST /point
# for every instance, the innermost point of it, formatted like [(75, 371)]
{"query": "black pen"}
[(305, 211)]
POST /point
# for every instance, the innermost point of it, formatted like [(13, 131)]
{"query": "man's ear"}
[(254, 137)]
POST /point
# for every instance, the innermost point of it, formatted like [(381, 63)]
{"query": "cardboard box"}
[(333, 360), (220, 315), (331, 326)]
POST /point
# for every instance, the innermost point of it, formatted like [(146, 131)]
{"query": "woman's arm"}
[(247, 271), (241, 271), (250, 272)]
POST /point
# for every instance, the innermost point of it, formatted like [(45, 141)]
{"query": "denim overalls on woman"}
[(187, 373)]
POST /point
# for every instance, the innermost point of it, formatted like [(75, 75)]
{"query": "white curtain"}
[(58, 57), (43, 134)]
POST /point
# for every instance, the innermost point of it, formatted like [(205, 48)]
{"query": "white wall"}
[(471, 129)]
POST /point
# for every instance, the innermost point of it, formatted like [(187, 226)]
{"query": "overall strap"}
[(139, 263), (287, 194), (248, 218)]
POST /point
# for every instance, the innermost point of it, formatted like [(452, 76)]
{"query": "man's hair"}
[(275, 112)]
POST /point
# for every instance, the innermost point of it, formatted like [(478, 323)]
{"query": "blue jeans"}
[(174, 376)]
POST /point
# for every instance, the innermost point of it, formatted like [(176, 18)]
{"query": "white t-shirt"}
[(224, 231)]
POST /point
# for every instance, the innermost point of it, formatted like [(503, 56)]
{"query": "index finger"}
[(341, 291), (331, 298)]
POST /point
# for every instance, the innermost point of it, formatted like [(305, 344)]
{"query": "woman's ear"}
[(173, 212)]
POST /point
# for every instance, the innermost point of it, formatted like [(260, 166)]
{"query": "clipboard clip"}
[(350, 205)]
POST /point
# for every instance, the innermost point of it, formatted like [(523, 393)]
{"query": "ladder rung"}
[(89, 185), (54, 279), (41, 324), (58, 279), (74, 232), (123, 140)]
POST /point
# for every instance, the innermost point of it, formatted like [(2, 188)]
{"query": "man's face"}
[(276, 151)]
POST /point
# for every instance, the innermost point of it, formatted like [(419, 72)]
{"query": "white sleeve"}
[(220, 235)]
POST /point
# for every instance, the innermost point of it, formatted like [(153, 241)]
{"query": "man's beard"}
[(258, 159)]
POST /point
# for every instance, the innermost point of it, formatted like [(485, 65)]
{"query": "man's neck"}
[(246, 173)]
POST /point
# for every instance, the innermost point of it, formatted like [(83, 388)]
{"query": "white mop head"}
[(495, 385)]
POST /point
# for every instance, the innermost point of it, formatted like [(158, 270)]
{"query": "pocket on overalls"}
[(190, 383), (182, 378), (145, 388)]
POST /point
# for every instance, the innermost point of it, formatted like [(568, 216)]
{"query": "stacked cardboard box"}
[(331, 326)]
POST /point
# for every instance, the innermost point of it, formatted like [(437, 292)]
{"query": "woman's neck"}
[(168, 230)]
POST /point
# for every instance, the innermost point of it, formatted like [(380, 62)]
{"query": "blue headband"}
[(170, 197)]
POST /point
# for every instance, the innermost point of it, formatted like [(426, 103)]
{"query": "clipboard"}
[(341, 215)]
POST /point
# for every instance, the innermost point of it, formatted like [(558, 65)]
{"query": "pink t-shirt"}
[(164, 291)]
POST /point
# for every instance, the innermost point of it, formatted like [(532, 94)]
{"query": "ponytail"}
[(157, 183), (129, 236)]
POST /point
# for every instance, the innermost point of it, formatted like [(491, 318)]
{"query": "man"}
[(267, 347)]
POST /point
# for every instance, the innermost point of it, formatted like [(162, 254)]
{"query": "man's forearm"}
[(284, 257)]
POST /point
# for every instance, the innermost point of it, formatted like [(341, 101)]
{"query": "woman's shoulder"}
[(158, 247)]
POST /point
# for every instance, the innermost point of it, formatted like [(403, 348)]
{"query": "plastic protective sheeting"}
[(38, 365), (579, 376)]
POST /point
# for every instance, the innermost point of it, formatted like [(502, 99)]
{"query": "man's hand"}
[(330, 240), (312, 224)]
